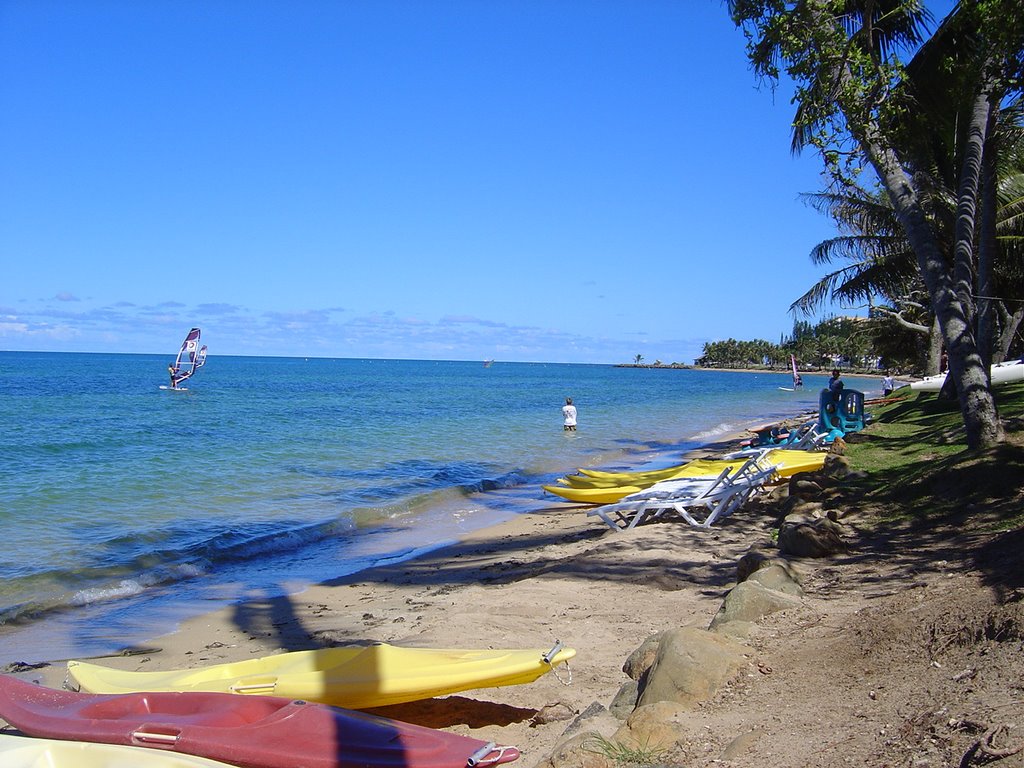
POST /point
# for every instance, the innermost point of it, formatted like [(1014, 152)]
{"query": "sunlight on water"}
[(118, 491)]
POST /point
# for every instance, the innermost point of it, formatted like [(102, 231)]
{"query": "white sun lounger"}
[(699, 502)]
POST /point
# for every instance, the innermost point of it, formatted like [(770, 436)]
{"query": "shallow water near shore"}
[(128, 508)]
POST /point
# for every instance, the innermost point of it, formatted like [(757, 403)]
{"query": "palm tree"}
[(880, 269), (853, 105)]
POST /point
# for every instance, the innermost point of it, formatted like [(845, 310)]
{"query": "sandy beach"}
[(553, 574), (883, 653)]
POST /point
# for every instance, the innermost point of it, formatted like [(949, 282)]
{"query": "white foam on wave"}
[(124, 588), (716, 431)]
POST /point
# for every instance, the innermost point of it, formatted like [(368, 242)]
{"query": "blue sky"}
[(435, 179)]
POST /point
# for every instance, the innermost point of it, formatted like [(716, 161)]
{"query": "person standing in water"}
[(568, 416)]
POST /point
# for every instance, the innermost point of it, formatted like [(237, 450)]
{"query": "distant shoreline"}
[(821, 372)]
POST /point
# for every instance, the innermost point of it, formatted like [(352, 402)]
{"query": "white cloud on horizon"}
[(233, 329)]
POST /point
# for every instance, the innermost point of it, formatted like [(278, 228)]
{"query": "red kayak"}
[(251, 731)]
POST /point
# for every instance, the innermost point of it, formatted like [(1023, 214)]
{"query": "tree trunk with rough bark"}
[(981, 420), (987, 245)]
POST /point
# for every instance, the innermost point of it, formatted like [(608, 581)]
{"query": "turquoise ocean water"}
[(126, 507)]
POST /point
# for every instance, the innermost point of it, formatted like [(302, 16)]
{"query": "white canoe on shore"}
[(1002, 373)]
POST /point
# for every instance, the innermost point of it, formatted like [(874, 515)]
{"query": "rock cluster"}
[(675, 671)]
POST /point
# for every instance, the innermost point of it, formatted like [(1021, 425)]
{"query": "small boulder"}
[(836, 467), (640, 660), (653, 727), (804, 488), (690, 666), (750, 601), (579, 751), (761, 556), (553, 713), (625, 700), (737, 629), (779, 576), (818, 538), (595, 719)]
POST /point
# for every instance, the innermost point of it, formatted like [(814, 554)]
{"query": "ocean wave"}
[(719, 430), (142, 568)]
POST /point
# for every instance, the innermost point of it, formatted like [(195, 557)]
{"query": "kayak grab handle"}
[(490, 754), (253, 687), (152, 737), (547, 657), (474, 759)]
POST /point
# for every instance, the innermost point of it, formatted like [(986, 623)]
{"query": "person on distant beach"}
[(835, 385), (888, 384), (568, 416)]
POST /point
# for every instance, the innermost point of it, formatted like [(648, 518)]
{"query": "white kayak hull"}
[(1002, 373)]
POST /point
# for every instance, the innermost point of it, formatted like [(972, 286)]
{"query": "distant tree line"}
[(840, 341)]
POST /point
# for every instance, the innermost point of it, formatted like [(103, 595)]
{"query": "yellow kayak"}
[(697, 469), (595, 495), (355, 677), (789, 462), (609, 490), (25, 752)]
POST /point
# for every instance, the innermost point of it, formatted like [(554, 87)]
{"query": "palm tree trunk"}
[(934, 348), (977, 405), (987, 241)]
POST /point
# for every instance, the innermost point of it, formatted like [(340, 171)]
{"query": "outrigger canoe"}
[(26, 752), (610, 488), (248, 731), (356, 677)]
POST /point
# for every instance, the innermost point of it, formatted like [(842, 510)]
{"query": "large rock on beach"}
[(762, 555), (690, 666), (752, 600), (653, 728), (800, 536), (595, 719), (778, 576), (836, 467), (804, 487), (580, 751)]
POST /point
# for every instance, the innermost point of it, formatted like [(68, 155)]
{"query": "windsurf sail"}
[(191, 357), (797, 381)]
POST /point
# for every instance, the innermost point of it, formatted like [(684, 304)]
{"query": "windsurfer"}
[(191, 357)]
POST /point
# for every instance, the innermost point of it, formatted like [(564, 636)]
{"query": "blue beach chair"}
[(840, 413)]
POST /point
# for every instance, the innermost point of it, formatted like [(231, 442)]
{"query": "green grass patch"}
[(624, 755), (918, 466)]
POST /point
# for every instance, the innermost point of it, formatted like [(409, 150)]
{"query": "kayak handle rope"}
[(480, 758), (547, 657)]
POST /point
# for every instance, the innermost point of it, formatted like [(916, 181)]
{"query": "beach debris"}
[(552, 713)]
